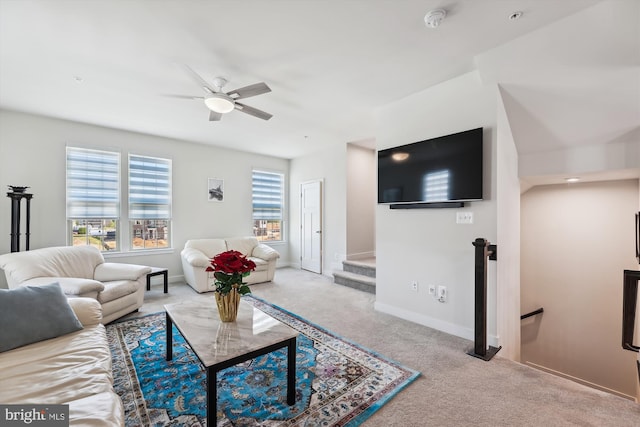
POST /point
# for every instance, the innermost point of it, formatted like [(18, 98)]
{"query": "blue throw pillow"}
[(30, 314)]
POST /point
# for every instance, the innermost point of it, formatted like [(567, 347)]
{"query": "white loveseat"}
[(196, 257), (81, 272), (72, 369)]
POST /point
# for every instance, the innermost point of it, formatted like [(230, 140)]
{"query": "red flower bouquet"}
[(229, 269)]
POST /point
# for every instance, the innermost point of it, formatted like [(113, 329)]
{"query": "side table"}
[(156, 271)]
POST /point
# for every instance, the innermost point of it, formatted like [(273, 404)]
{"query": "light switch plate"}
[(464, 217)]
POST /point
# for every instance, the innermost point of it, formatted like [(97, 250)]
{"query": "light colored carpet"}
[(454, 389)]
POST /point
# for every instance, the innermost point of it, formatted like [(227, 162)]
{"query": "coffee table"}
[(219, 345)]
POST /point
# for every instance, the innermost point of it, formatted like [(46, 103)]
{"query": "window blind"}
[(93, 183), (268, 190), (149, 187)]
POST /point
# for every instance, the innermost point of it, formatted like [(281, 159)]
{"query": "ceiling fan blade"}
[(253, 111), (251, 90), (214, 117), (201, 82), (169, 95)]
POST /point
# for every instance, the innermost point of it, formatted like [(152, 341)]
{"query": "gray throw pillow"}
[(30, 314)]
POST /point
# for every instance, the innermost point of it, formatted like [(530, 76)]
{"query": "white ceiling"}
[(329, 64)]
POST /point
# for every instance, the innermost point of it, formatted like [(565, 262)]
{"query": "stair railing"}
[(484, 251), (533, 313)]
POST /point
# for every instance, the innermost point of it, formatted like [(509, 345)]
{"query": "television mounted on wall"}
[(438, 171)]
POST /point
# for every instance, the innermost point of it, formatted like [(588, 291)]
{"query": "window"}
[(149, 202), (268, 205), (93, 197)]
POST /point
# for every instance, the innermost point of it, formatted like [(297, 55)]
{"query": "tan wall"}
[(576, 241), (361, 202)]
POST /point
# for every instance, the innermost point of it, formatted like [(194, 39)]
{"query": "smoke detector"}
[(433, 18)]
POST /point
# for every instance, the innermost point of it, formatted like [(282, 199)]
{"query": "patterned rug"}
[(338, 383)]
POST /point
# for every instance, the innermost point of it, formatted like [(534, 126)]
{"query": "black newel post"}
[(16, 195), (484, 251)]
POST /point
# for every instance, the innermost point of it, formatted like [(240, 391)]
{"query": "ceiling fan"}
[(219, 102)]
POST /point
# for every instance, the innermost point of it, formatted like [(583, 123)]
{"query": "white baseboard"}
[(335, 266), (176, 279), (432, 322), (580, 381), (287, 264)]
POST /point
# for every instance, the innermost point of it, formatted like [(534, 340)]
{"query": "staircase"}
[(359, 275)]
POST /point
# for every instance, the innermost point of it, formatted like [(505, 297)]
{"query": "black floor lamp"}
[(16, 195)]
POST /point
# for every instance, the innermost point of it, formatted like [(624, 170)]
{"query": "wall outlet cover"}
[(442, 293), (464, 217)]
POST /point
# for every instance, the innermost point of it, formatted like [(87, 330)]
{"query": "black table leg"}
[(165, 279), (165, 276), (291, 371), (169, 333), (212, 397)]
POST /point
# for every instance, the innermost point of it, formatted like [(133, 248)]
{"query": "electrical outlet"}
[(442, 293), (432, 290), (414, 286)]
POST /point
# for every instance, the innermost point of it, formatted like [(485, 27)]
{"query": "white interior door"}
[(311, 226)]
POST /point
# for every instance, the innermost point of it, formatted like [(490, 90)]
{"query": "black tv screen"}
[(443, 169)]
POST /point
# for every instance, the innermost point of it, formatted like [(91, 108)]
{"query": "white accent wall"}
[(32, 153), (330, 165), (426, 245), (508, 222)]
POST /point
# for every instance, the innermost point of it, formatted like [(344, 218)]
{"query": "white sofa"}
[(196, 257), (72, 369), (81, 272)]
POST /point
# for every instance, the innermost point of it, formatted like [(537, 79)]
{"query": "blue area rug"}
[(338, 383)]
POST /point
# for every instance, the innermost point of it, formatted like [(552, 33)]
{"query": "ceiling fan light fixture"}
[(219, 103)]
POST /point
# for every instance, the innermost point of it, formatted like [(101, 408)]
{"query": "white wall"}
[(581, 160), (508, 221), (576, 241), (361, 202), (329, 165), (32, 152), (427, 245)]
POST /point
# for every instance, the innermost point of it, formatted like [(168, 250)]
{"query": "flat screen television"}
[(438, 170)]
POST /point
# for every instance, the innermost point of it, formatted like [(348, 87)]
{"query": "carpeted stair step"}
[(359, 267), (356, 281)]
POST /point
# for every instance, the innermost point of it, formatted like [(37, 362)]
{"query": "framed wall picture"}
[(216, 190)]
